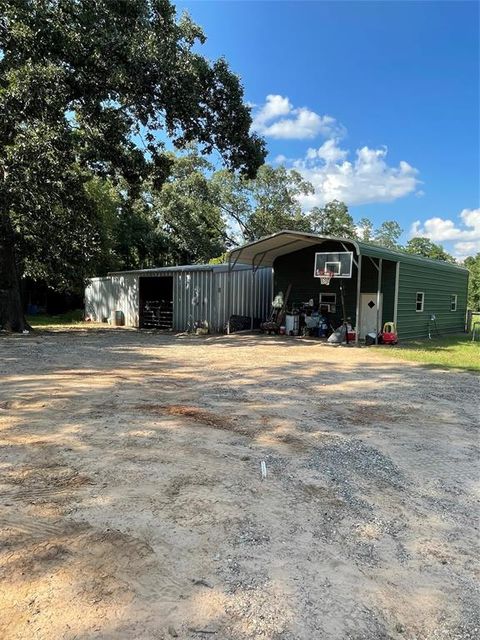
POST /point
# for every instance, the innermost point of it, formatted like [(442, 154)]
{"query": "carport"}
[(371, 292)]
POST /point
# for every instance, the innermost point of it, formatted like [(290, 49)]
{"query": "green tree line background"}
[(122, 147)]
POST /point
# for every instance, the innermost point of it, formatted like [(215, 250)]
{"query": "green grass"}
[(452, 352), (69, 318)]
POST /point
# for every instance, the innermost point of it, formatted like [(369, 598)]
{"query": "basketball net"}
[(326, 277)]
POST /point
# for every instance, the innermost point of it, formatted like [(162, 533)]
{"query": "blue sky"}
[(376, 103)]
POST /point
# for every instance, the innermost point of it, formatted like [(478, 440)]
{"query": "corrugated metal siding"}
[(438, 284), (198, 296), (192, 299), (242, 287), (202, 296), (104, 296), (100, 294)]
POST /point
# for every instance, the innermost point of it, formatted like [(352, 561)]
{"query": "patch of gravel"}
[(351, 462), (245, 531)]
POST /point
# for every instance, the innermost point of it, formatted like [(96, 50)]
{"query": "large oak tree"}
[(96, 88)]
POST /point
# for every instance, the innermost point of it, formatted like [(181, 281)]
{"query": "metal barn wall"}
[(199, 295), (192, 299), (438, 282), (202, 296), (105, 296), (242, 287)]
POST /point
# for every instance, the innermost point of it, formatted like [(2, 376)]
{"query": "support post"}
[(395, 302), (229, 293), (359, 288), (252, 304), (379, 286)]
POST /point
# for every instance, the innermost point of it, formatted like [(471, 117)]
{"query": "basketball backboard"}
[(336, 263)]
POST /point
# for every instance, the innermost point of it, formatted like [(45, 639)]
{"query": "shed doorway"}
[(369, 312), (156, 302)]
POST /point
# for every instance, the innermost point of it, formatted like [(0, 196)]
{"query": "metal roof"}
[(265, 250), (182, 268)]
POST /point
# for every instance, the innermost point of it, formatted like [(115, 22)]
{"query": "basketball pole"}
[(344, 311)]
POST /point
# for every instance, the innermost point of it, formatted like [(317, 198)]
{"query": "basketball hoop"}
[(325, 277)]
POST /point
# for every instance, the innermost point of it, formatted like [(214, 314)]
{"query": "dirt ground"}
[(133, 506)]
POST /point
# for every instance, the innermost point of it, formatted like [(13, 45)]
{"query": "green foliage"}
[(473, 265), (365, 230), (82, 83), (221, 259), (387, 234), (332, 220), (428, 249), (263, 205), (187, 212)]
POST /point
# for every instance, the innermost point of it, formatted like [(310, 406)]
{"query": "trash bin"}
[(119, 319)]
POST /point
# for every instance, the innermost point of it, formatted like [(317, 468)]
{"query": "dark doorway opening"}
[(156, 302)]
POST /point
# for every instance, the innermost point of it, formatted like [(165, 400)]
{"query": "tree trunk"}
[(11, 311)]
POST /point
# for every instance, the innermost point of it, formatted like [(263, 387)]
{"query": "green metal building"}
[(421, 296)]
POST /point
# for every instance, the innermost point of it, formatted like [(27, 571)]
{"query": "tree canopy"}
[(262, 205), (95, 88), (425, 247), (333, 220), (473, 265)]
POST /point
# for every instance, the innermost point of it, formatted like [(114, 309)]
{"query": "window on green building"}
[(453, 302), (420, 301)]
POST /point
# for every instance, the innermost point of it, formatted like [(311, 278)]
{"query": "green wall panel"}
[(438, 284), (437, 281)]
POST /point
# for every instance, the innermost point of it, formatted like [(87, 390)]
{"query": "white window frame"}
[(453, 302), (417, 301)]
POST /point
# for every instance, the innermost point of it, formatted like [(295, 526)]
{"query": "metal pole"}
[(229, 294), (252, 305), (395, 303), (359, 288), (379, 286)]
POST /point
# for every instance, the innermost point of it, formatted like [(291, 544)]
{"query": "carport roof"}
[(264, 251)]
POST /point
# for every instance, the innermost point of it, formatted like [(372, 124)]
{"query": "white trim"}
[(453, 295), (338, 266), (359, 288), (422, 293)]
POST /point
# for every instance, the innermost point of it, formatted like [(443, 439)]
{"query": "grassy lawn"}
[(71, 318), (452, 352)]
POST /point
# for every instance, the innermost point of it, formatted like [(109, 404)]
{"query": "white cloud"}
[(464, 233), (467, 248), (365, 179), (278, 118), (443, 229), (330, 152)]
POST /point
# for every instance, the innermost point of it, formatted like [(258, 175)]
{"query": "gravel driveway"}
[(133, 506)]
